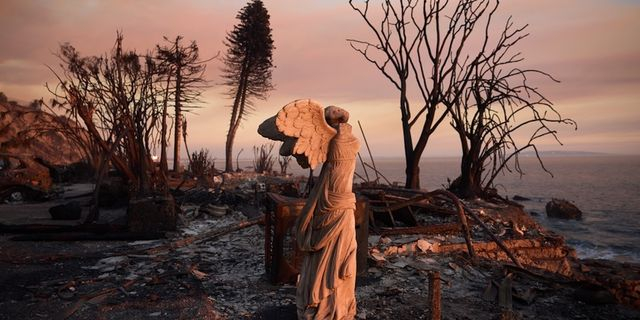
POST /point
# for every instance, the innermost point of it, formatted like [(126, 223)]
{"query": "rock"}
[(391, 250), (67, 211), (563, 209)]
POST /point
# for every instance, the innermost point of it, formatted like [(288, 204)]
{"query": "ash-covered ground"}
[(223, 277)]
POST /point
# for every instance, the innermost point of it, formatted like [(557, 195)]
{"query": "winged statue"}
[(325, 228), (305, 128)]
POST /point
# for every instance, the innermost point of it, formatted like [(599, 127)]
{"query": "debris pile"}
[(622, 280), (214, 267), (397, 281)]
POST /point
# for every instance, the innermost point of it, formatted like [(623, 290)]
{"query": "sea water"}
[(605, 188)]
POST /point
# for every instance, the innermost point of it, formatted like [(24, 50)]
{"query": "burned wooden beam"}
[(87, 236), (207, 236), (493, 236), (463, 218), (403, 203), (434, 295), (48, 228)]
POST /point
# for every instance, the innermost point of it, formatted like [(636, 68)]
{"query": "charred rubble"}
[(422, 255)]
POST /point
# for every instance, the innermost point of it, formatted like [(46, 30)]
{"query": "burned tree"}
[(203, 167), (114, 97), (439, 53), (248, 64), (497, 106), (262, 159), (284, 161), (184, 81), (418, 51), (424, 48)]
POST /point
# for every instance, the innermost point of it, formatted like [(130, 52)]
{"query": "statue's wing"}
[(304, 130)]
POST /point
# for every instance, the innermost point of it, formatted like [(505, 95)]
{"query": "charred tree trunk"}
[(469, 183), (184, 138), (177, 168), (412, 168), (236, 117), (412, 172), (164, 167)]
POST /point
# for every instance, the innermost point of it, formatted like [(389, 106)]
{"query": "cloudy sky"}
[(591, 46)]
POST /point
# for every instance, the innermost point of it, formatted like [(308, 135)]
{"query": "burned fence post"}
[(434, 295)]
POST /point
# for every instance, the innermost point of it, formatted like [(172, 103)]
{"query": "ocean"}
[(605, 188)]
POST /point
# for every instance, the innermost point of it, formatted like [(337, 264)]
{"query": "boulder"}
[(562, 209)]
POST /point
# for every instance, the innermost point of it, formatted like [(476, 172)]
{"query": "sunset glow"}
[(591, 46)]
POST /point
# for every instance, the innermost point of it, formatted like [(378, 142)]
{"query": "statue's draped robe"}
[(325, 232)]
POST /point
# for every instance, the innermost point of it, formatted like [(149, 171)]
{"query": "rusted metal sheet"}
[(282, 258)]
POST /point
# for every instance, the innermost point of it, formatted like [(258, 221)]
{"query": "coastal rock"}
[(520, 198), (563, 209)]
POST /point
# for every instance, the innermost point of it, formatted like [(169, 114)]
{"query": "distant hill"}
[(565, 154), (20, 135)]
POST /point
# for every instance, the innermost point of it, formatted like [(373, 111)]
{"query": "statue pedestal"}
[(282, 258)]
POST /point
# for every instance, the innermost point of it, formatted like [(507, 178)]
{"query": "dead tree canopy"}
[(440, 57), (500, 113), (115, 98), (183, 81), (419, 48)]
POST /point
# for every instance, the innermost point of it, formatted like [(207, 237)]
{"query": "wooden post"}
[(364, 168), (434, 295), (369, 150)]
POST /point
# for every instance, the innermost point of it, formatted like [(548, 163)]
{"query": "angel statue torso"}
[(325, 229)]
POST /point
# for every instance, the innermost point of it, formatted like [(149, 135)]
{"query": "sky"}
[(591, 46)]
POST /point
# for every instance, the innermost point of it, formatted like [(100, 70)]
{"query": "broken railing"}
[(394, 211)]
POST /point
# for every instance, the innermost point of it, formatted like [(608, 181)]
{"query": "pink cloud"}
[(589, 45)]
